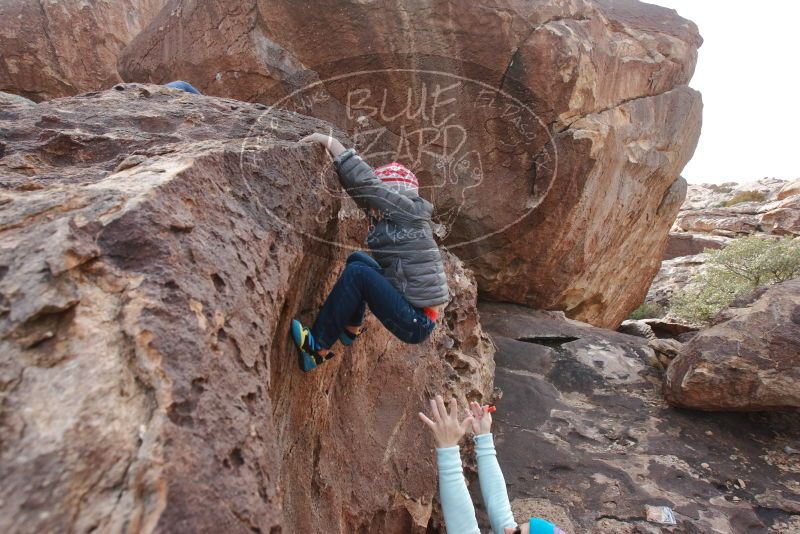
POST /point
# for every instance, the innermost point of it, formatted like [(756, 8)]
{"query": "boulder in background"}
[(749, 360), (52, 49)]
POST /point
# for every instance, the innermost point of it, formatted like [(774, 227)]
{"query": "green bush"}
[(647, 310), (743, 266), (745, 196)]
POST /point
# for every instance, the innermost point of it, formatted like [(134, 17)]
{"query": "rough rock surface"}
[(150, 263), (58, 48), (702, 196), (585, 438), (12, 99), (673, 275), (637, 328), (549, 134), (778, 214), (686, 244), (658, 328), (666, 350), (749, 360), (789, 190)]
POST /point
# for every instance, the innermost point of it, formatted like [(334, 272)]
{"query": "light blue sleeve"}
[(493, 485), (459, 514)]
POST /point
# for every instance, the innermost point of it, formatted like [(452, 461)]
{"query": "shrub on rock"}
[(647, 310), (746, 264), (745, 196)]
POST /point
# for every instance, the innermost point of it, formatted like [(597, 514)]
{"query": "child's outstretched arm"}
[(493, 485), (459, 514), (360, 182), (333, 145)]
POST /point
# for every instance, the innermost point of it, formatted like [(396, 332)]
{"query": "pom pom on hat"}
[(398, 176)]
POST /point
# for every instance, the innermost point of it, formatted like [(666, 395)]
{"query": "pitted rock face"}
[(150, 265), (550, 135)]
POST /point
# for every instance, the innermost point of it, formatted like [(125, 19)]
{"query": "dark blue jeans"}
[(362, 284)]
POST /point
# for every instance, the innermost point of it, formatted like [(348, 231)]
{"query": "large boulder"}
[(749, 360), (550, 135), (150, 264), (585, 438), (53, 49), (782, 217)]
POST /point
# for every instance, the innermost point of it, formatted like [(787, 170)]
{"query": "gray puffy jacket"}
[(401, 240)]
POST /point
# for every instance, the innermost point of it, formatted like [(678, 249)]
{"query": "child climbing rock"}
[(459, 514), (403, 282)]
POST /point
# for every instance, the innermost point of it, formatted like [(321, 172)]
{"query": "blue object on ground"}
[(183, 86)]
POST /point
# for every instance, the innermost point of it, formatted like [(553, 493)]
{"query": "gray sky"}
[(748, 74)]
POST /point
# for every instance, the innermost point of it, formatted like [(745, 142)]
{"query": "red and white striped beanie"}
[(398, 176)]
